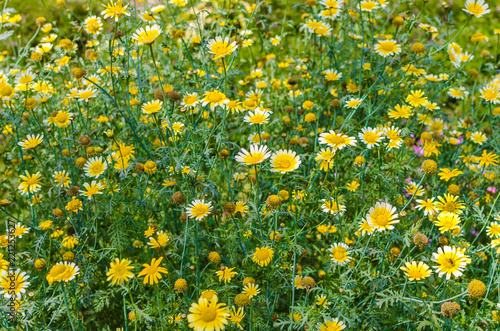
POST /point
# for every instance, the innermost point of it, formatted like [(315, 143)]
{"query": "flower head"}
[(476, 7), (221, 47), (450, 260), (115, 10), (199, 209), (119, 271), (382, 216), (153, 271), (256, 155), (148, 35), (415, 271), (208, 315), (284, 161)]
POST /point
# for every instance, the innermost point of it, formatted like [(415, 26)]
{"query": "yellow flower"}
[(263, 256), (476, 7), (147, 36), (416, 98), (161, 240), (152, 107), (30, 183), (387, 48), (115, 10), (74, 205), (447, 174), (284, 161), (447, 221), (451, 260), (450, 203), (415, 271), (62, 272), (221, 47), (13, 284), (256, 155), (207, 315), (199, 209), (333, 325), (31, 141), (119, 271), (400, 111), (339, 253), (69, 242), (382, 216), (152, 272)]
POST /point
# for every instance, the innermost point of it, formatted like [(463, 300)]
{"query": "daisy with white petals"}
[(256, 155), (199, 209), (382, 216)]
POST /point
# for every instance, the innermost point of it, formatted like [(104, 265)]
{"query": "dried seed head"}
[(84, 141), (139, 167), (448, 309), (57, 212), (308, 282), (409, 142), (178, 198), (292, 81), (420, 240)]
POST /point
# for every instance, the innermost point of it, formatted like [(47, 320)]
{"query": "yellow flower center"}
[(86, 94), (253, 158), (221, 48), (214, 97), (151, 270), (475, 9), (263, 255), (339, 253), (381, 220), (199, 210), (57, 271), (120, 270), (368, 6), (31, 181), (61, 118), (19, 231), (209, 314)]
